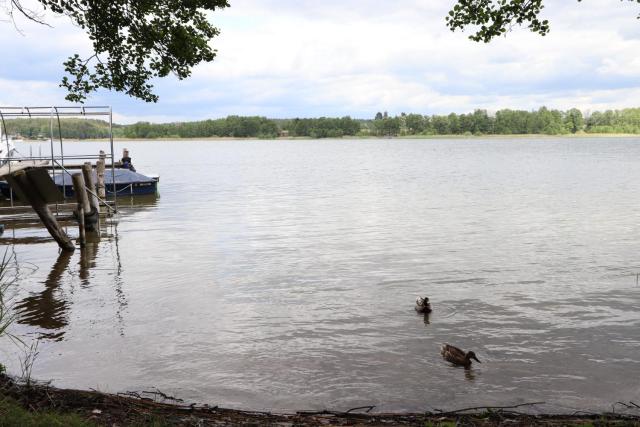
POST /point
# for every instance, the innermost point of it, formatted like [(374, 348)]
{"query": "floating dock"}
[(42, 182)]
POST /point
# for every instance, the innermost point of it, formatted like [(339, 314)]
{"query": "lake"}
[(282, 275)]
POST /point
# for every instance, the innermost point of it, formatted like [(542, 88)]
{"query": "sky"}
[(305, 58)]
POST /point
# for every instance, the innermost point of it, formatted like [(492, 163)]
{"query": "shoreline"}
[(401, 137), (156, 408)]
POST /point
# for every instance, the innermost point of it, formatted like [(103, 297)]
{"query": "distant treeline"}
[(71, 128), (232, 126), (243, 127), (323, 127), (508, 122), (503, 122)]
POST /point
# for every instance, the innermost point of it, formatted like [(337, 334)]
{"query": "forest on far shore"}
[(503, 122)]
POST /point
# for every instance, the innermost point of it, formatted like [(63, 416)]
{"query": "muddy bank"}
[(154, 407)]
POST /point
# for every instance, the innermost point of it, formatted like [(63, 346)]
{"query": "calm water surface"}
[(282, 275)]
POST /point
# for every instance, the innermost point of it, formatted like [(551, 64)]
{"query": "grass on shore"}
[(13, 414)]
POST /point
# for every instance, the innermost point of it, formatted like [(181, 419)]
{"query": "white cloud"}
[(307, 58), (18, 93)]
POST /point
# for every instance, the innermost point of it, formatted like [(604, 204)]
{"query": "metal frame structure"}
[(54, 114)]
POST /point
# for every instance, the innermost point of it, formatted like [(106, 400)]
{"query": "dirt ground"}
[(152, 408)]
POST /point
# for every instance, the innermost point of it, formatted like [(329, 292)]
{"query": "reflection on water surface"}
[(47, 310), (283, 275)]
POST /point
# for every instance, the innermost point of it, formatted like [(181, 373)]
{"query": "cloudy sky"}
[(306, 58)]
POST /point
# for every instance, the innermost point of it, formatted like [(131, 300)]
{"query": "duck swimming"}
[(423, 305), (458, 357)]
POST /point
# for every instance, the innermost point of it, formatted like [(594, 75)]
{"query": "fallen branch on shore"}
[(368, 409), (487, 408), (157, 393), (138, 408)]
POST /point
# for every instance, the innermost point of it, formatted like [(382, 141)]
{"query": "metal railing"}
[(54, 113)]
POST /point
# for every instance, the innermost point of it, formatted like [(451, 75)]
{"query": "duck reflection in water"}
[(426, 318), (469, 374), (48, 309)]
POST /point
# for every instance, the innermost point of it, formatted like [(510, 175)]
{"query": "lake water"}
[(282, 275)]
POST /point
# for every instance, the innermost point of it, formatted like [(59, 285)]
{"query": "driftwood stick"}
[(323, 412), (368, 408), (515, 413), (347, 413), (476, 408), (163, 395), (618, 415), (623, 404)]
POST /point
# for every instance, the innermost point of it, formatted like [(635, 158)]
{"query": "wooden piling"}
[(87, 172), (80, 191), (83, 204), (82, 233), (92, 218), (100, 187), (22, 182)]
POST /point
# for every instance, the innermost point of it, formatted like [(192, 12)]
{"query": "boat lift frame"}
[(54, 113)]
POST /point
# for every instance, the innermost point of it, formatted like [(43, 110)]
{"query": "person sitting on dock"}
[(126, 161)]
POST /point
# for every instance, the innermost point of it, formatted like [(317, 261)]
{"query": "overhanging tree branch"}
[(492, 18), (134, 41)]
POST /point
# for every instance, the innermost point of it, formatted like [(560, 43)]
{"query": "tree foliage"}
[(133, 41), (387, 126), (324, 127), (492, 18)]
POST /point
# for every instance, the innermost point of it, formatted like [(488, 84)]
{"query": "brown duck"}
[(458, 357)]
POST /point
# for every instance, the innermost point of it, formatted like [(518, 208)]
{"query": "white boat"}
[(7, 148)]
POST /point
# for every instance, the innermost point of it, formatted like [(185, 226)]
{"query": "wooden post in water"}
[(81, 193), (92, 220), (21, 180), (83, 203), (83, 233), (100, 169), (87, 172)]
